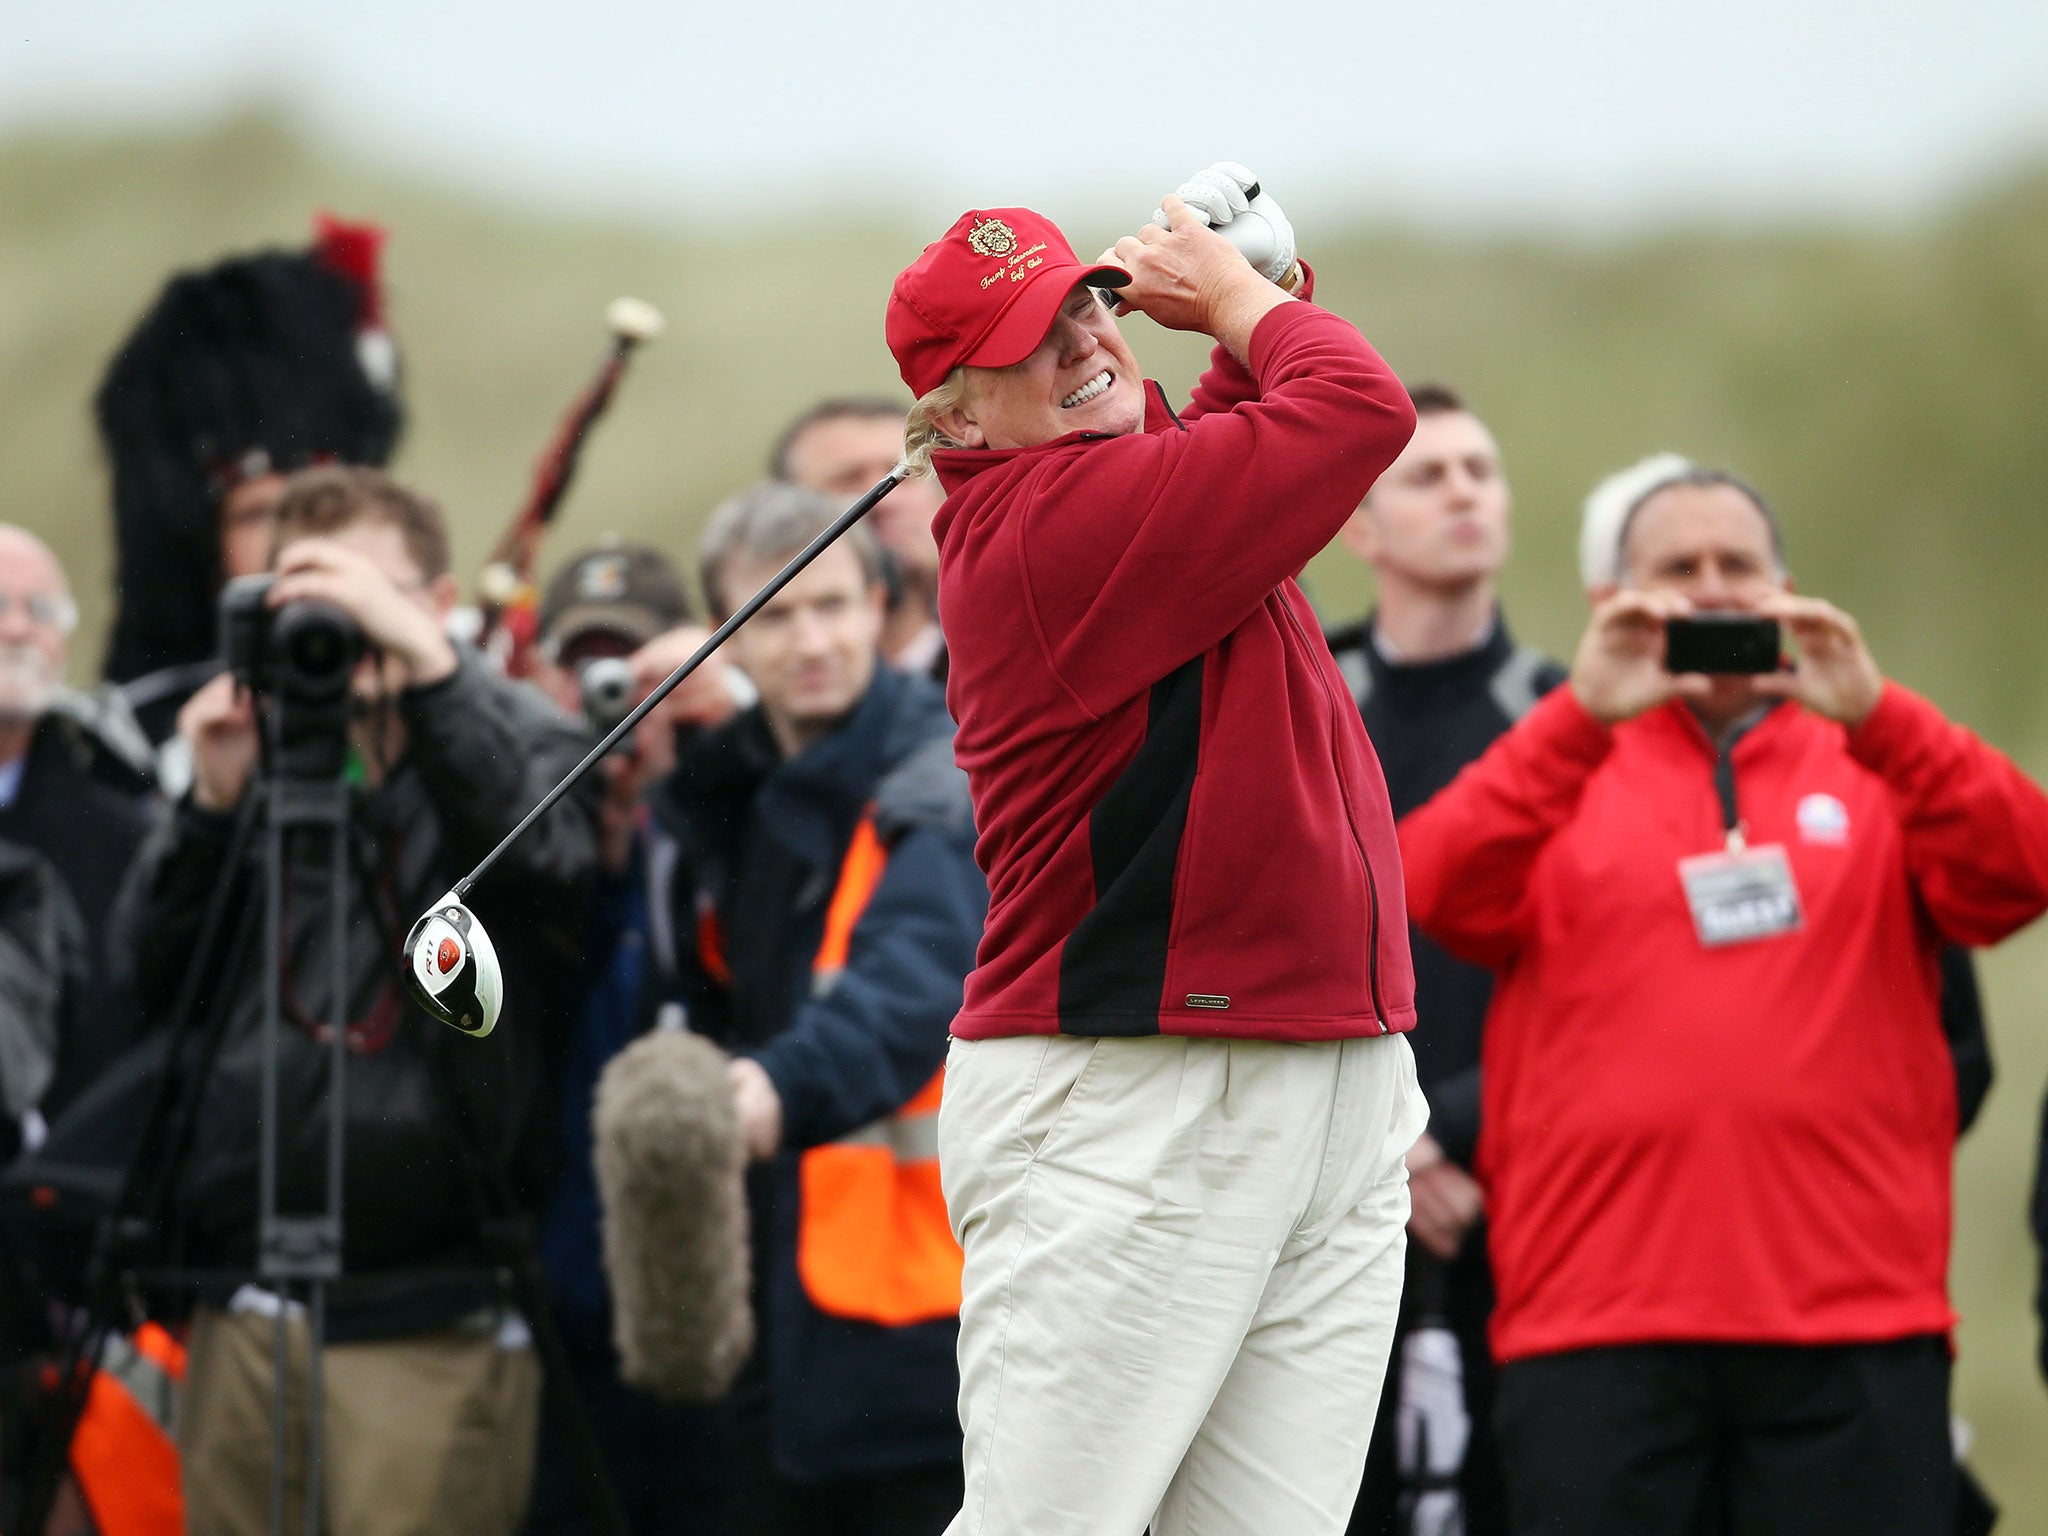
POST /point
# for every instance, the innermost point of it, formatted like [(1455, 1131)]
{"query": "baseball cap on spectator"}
[(984, 294), (627, 590)]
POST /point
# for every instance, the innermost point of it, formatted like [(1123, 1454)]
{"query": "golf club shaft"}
[(669, 684)]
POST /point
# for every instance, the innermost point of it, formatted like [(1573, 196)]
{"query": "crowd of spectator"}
[(1699, 1024)]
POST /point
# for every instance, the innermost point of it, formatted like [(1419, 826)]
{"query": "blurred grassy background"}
[(1884, 385)]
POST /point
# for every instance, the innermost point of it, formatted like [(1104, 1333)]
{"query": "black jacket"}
[(43, 972), (2038, 1219), (1429, 720), (82, 807), (426, 1108), (761, 843)]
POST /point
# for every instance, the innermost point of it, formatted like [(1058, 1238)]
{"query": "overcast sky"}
[(1575, 112)]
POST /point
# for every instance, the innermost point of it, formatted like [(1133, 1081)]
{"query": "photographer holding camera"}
[(1719, 1110), (430, 1391)]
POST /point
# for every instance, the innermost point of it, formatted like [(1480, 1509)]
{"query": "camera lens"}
[(607, 685), (316, 648)]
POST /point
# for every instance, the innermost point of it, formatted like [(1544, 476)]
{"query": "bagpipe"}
[(508, 599)]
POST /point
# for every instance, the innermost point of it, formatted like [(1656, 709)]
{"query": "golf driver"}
[(449, 961)]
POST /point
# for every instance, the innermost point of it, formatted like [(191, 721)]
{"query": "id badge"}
[(1743, 894)]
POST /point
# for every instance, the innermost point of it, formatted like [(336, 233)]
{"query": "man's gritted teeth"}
[(1091, 390)]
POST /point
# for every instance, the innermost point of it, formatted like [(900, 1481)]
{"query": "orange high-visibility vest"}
[(873, 1242), (122, 1453)]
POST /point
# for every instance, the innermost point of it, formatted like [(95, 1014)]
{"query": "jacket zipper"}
[(1372, 887)]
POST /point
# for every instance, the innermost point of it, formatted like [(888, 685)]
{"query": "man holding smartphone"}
[(1718, 1107)]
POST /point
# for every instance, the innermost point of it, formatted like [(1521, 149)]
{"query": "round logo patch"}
[(449, 956), (1823, 819)]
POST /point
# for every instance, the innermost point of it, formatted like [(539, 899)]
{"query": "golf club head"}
[(452, 968)]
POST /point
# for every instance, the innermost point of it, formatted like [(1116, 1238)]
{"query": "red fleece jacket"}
[(1750, 1143), (1183, 825)]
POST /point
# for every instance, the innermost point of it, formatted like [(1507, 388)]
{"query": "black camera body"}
[(298, 661)]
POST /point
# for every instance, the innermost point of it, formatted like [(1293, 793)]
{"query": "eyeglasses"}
[(52, 610)]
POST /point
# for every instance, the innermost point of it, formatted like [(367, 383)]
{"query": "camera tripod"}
[(299, 801)]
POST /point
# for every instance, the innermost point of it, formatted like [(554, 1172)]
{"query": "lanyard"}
[(1724, 787), (1724, 784)]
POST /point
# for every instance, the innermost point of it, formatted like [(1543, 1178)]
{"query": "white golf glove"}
[(1229, 199), (1432, 1430)]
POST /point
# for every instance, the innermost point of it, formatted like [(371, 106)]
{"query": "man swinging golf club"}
[(1173, 1130), (1173, 1119)]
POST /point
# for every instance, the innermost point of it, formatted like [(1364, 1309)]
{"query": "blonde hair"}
[(921, 434)]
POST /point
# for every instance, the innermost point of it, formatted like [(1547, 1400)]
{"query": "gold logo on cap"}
[(992, 237)]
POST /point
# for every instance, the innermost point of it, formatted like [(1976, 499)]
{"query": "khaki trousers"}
[(429, 1434), (1183, 1262)]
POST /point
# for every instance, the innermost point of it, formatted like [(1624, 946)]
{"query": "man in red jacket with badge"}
[(1177, 1101), (1719, 1110)]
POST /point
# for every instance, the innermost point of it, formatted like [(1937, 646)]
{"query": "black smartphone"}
[(1721, 642)]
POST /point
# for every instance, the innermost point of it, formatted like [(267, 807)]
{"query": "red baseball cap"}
[(985, 293)]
